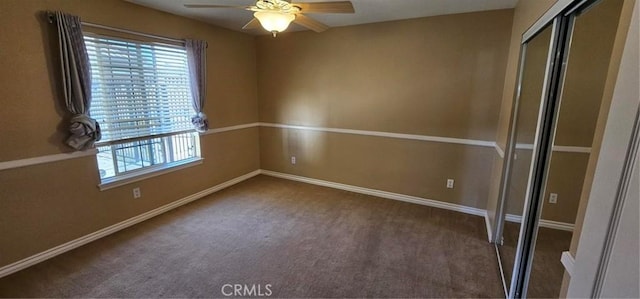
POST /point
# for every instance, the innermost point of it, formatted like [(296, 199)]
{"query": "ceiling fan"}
[(276, 15)]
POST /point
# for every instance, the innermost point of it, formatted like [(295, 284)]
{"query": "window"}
[(142, 100)]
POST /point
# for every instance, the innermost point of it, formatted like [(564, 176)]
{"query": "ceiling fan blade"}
[(253, 24), (326, 7), (215, 6), (310, 23)]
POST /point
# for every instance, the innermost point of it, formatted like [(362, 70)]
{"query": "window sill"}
[(122, 180)]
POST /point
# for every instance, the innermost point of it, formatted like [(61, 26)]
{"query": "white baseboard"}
[(379, 193), (388, 195), (513, 218), (45, 255), (42, 256), (544, 223), (557, 225), (487, 222), (567, 261)]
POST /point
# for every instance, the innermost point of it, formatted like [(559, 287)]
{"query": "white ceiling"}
[(367, 11)]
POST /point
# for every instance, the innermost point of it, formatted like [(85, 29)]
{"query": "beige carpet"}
[(303, 240)]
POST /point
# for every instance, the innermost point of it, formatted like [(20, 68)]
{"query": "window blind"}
[(139, 89)]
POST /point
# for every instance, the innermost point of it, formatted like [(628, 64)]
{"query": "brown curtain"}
[(76, 79)]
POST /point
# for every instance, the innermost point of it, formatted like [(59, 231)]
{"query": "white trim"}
[(45, 255), (379, 193), (230, 128), (513, 218), (148, 173), (487, 223), (571, 149), (543, 223), (556, 225), (567, 261), (471, 142), (558, 148), (46, 159), (524, 146), (92, 152), (386, 134), (499, 150)]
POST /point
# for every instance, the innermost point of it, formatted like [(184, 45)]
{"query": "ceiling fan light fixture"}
[(274, 21)]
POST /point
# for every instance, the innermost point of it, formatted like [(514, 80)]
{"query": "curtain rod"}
[(173, 40)]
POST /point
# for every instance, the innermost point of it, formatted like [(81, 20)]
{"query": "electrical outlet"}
[(553, 198), (136, 192), (293, 160), (450, 183)]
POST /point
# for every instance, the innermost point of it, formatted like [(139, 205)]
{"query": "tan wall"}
[(408, 167), (437, 76), (46, 205)]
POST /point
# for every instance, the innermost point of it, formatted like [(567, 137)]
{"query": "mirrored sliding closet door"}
[(536, 55), (563, 72)]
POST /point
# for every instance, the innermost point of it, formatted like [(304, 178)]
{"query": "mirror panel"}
[(525, 123), (580, 101)]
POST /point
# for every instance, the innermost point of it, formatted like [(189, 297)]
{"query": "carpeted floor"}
[(302, 240), (547, 271)]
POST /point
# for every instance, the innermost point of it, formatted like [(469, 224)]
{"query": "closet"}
[(564, 64)]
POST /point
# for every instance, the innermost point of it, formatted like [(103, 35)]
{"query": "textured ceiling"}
[(367, 11)]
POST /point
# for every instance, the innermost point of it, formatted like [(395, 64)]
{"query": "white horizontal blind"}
[(138, 89)]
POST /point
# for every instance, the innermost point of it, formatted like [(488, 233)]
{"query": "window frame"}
[(121, 178)]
